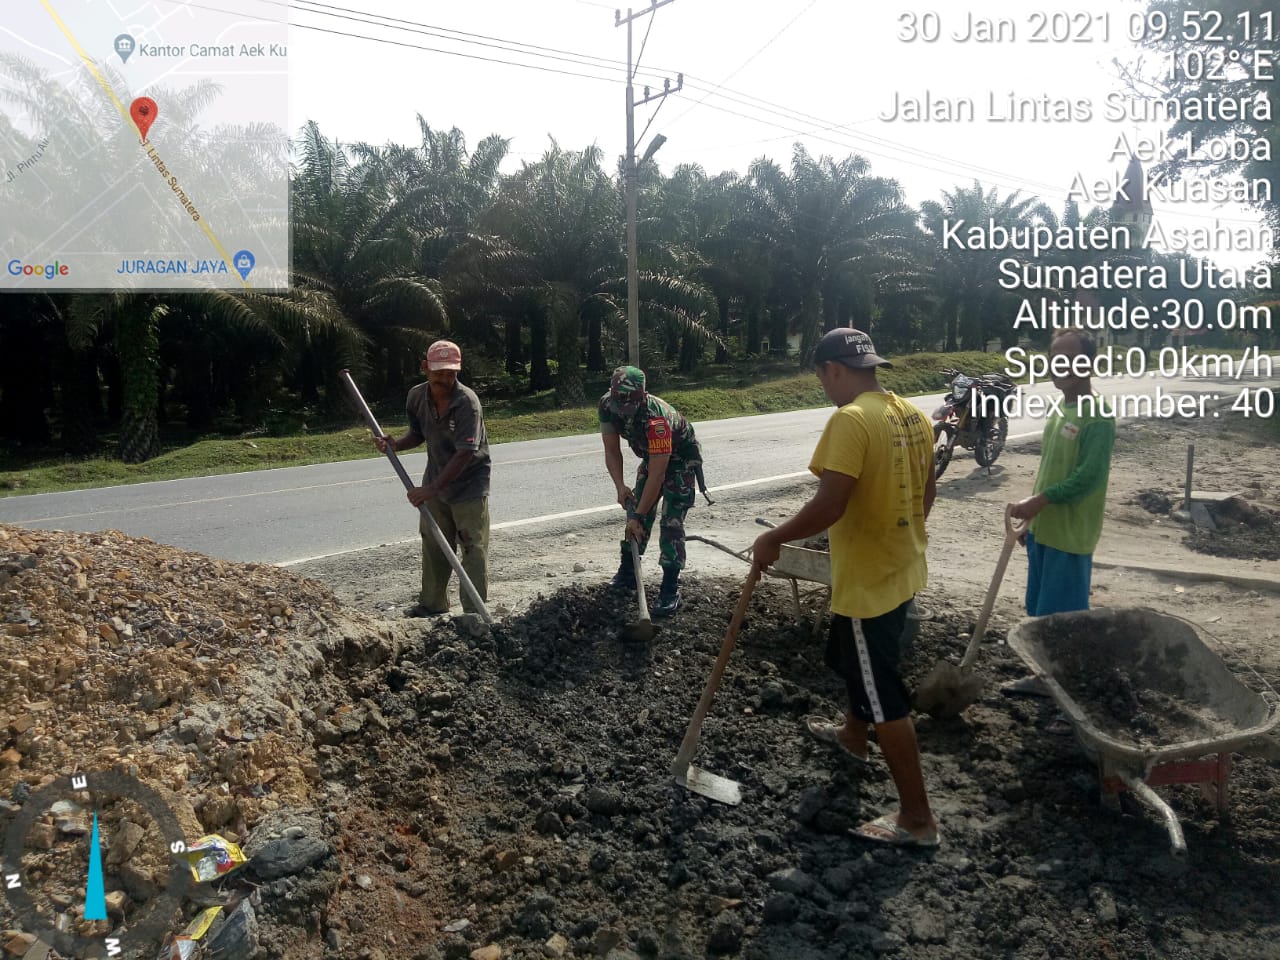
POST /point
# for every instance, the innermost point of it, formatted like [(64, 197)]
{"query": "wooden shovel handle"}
[(1012, 530), (635, 562), (689, 745)]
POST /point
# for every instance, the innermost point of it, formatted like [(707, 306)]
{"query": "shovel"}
[(643, 630), (695, 778), (463, 580), (949, 689)]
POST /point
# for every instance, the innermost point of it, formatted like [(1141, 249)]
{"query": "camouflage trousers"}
[(679, 488)]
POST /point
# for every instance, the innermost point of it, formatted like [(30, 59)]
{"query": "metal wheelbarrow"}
[(797, 563), (1150, 702)]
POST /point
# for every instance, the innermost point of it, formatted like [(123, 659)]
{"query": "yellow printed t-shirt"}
[(878, 544)]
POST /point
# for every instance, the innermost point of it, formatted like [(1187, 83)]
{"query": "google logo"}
[(48, 270)]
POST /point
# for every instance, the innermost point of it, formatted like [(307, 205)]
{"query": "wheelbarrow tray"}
[(802, 563), (1158, 652)]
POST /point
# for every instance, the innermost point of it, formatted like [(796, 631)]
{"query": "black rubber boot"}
[(669, 595), (625, 578)]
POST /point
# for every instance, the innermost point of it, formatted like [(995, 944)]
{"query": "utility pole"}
[(630, 177)]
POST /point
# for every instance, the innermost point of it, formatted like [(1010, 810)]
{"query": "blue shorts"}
[(1057, 582)]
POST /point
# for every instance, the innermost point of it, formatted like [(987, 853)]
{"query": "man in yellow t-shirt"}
[(875, 488)]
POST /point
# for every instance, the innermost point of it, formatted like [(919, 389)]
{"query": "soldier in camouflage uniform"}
[(670, 459)]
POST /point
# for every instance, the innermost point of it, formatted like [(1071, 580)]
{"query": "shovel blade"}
[(720, 789), (947, 691), (642, 631)]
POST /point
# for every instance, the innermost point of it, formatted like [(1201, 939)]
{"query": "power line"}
[(643, 43), (682, 114), (718, 90), (535, 51), (401, 43)]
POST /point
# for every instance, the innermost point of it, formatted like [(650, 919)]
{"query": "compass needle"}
[(42, 897), (95, 897)]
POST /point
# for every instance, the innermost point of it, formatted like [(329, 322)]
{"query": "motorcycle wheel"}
[(944, 443), (991, 442)]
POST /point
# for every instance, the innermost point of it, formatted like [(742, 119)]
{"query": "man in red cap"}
[(447, 415)]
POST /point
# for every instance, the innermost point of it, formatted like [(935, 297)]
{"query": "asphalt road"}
[(297, 513)]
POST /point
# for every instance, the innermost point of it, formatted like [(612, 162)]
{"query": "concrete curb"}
[(1271, 584)]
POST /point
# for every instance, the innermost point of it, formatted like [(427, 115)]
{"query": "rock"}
[(812, 801), (780, 908), (886, 941), (726, 936), (491, 952), (603, 801), (41, 836), (579, 568), (791, 880), (928, 927), (127, 837), (606, 939), (237, 939), (18, 944), (116, 901), (555, 947), (10, 758), (549, 824), (506, 860), (286, 856), (364, 881), (772, 695), (838, 880), (1104, 905), (471, 625)]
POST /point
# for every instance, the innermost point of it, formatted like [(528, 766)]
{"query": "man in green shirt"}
[(1065, 511)]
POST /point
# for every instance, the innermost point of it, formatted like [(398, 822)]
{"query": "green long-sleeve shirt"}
[(1075, 464)]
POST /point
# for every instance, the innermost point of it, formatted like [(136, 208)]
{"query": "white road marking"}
[(547, 518)]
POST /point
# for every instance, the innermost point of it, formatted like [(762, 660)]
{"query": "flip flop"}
[(824, 730), (886, 829)]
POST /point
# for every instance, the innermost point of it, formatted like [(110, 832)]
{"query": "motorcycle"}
[(968, 419)]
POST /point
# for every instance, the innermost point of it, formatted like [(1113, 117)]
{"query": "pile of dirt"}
[(1125, 693), (468, 791), (184, 672), (1246, 530), (1153, 501)]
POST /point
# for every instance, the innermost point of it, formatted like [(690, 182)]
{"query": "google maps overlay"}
[(143, 145)]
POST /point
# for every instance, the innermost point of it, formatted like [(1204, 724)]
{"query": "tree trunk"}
[(81, 401), (138, 344), (539, 369), (595, 346), (690, 354), (568, 325), (811, 312), (753, 328), (722, 349), (514, 346), (23, 383)]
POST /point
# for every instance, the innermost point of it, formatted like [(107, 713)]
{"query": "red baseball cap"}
[(444, 355)]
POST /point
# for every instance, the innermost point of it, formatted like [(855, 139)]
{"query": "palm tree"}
[(563, 217), (832, 231), (972, 305), (354, 246)]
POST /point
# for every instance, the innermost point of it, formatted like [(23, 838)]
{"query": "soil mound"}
[(443, 789), (1246, 530)]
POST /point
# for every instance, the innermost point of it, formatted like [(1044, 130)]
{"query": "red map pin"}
[(143, 110)]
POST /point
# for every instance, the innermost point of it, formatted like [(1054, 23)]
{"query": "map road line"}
[(124, 113)]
